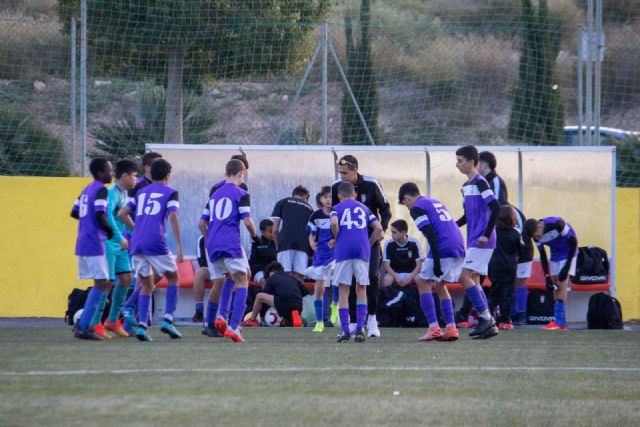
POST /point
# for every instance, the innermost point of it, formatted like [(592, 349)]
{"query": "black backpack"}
[(540, 307), (592, 265), (75, 301), (604, 312)]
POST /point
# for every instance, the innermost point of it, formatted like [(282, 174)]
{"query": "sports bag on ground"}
[(604, 312), (539, 307), (75, 301), (592, 266)]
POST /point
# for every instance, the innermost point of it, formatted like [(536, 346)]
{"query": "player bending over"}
[(350, 221), (444, 260), (555, 232), (151, 208)]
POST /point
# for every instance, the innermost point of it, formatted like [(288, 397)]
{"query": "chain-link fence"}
[(437, 72)]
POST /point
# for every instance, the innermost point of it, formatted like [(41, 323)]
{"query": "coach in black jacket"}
[(368, 192)]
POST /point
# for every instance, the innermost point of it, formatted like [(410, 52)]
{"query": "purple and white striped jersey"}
[(353, 238), (227, 206), (91, 236), (150, 208), (319, 225), (476, 196), (449, 237), (556, 235)]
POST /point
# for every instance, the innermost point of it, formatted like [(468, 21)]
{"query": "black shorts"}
[(202, 253), (284, 306), (526, 254)]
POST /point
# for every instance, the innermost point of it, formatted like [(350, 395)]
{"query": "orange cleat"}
[(250, 323), (450, 334), (99, 329), (234, 335), (463, 324), (116, 328), (434, 333), (221, 325), (505, 326), (297, 320), (551, 326)]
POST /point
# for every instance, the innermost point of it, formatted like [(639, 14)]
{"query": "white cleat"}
[(372, 327)]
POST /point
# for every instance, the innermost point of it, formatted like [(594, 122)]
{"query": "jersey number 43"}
[(360, 216)]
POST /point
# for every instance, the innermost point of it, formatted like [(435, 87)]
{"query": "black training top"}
[(294, 215), (262, 254), (504, 261), (283, 285), (369, 193), (402, 258)]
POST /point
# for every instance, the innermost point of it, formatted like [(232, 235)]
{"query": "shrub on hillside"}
[(27, 148), (143, 123)]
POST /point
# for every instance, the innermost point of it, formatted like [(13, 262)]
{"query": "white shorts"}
[(258, 276), (293, 260), (321, 272), (556, 266), (93, 267), (221, 266), (142, 264), (348, 269), (451, 268), (524, 270), (477, 259)]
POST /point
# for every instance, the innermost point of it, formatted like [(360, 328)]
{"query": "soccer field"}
[(284, 376)]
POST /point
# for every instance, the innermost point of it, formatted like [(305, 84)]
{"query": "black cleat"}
[(210, 331), (88, 334), (491, 332), (520, 319), (343, 336), (198, 317), (359, 335), (483, 325)]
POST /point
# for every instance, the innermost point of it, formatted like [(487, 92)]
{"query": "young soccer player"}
[(117, 247), (487, 164), (282, 291), (350, 221), (555, 232), (402, 256), (263, 252), (480, 214), (200, 280), (227, 206), (93, 229), (151, 207), (443, 262), (292, 240), (523, 272), (319, 229), (503, 265)]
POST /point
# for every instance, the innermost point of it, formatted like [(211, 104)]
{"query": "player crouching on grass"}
[(323, 257), (151, 208), (93, 229), (282, 291), (350, 220), (554, 232), (444, 260)]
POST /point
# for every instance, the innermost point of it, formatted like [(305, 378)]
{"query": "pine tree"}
[(537, 113), (363, 80)]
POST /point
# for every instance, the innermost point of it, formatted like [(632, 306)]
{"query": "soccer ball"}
[(76, 316), (271, 317)]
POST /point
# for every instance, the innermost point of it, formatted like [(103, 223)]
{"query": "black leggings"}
[(372, 289), (501, 295)]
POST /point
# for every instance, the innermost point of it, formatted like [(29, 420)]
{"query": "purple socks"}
[(446, 306), (361, 314), (521, 299), (143, 309), (90, 307), (478, 299), (429, 308), (344, 319), (171, 302), (239, 306), (212, 311), (225, 298)]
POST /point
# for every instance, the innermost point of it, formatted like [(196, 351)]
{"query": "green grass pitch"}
[(284, 376)]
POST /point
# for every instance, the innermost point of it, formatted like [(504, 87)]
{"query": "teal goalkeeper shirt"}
[(117, 199)]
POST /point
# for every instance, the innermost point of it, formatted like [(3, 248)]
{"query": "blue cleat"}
[(129, 319), (168, 328), (142, 335)]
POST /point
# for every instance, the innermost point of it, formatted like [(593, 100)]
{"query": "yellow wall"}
[(37, 239), (37, 242), (628, 251)]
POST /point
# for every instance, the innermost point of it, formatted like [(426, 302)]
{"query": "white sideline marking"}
[(324, 369)]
